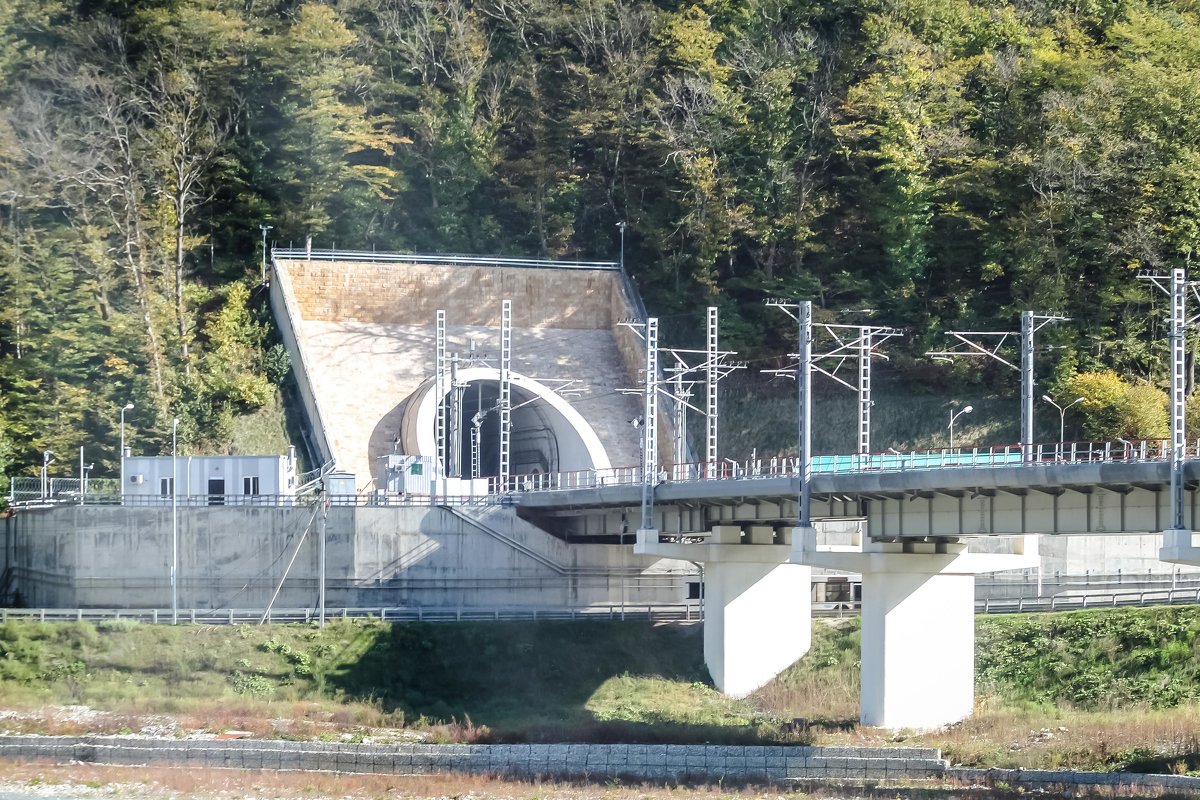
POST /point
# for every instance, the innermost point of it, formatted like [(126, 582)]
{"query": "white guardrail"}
[(244, 616), (676, 612)]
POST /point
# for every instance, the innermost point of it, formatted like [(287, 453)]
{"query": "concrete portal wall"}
[(101, 557), (408, 294), (362, 338)]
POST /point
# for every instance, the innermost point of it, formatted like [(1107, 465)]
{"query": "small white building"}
[(209, 480)]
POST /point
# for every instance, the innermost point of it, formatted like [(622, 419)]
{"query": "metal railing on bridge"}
[(1150, 450), (33, 491)]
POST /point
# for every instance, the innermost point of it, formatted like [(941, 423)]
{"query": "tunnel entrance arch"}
[(547, 433)]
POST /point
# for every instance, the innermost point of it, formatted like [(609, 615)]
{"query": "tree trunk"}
[(180, 322)]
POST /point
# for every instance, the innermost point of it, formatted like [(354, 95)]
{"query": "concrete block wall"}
[(658, 763), (641, 761)]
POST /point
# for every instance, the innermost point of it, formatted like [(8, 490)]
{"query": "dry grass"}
[(43, 778), (1062, 738)]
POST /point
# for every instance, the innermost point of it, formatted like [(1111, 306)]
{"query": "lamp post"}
[(121, 455), (954, 416), (47, 457), (1062, 420), (621, 225), (174, 524), (83, 477), (264, 227)]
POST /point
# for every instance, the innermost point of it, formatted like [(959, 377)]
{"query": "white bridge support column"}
[(1178, 547), (918, 624), (757, 607)]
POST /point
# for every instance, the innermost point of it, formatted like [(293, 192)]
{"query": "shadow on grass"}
[(536, 681)]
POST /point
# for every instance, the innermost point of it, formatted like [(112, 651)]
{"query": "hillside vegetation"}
[(944, 163), (1119, 687)]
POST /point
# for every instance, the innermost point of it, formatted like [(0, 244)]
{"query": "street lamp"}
[(953, 416), (264, 227), (174, 525), (1062, 419), (47, 458), (621, 225), (127, 407), (83, 476)]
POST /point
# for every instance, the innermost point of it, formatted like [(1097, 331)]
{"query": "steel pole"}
[(1027, 384), (174, 523), (650, 425), (324, 519), (865, 336), (804, 367), (711, 379), (121, 455), (1178, 399)]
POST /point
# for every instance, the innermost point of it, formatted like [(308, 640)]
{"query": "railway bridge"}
[(930, 522)]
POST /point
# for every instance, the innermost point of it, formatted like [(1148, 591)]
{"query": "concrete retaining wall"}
[(114, 557), (647, 762), (1121, 783), (638, 761)]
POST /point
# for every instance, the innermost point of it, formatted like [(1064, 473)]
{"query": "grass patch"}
[(263, 431), (1112, 689)]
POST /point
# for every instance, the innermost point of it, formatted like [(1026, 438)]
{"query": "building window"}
[(250, 484), (166, 487)]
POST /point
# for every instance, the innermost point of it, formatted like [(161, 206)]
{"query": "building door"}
[(216, 491)]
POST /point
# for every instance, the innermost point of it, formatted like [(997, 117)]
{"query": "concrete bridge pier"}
[(757, 606), (918, 623), (1178, 548)]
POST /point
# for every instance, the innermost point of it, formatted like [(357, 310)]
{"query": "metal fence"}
[(659, 612), (315, 254), (244, 616)]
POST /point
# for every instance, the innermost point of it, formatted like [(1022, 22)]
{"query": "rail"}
[(657, 612), (1082, 600), (307, 481), (304, 254)]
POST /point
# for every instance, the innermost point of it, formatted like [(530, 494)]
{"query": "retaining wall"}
[(656, 763), (643, 761), (120, 557)]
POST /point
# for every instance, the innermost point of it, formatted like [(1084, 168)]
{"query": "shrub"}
[(1113, 408)]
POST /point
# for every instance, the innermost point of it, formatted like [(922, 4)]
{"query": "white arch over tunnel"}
[(578, 446)]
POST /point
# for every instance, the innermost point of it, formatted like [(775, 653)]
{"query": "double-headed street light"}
[(1062, 418), (954, 415)]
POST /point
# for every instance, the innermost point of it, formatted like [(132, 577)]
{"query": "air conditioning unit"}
[(137, 480)]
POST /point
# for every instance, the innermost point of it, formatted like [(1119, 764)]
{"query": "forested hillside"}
[(944, 162)]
